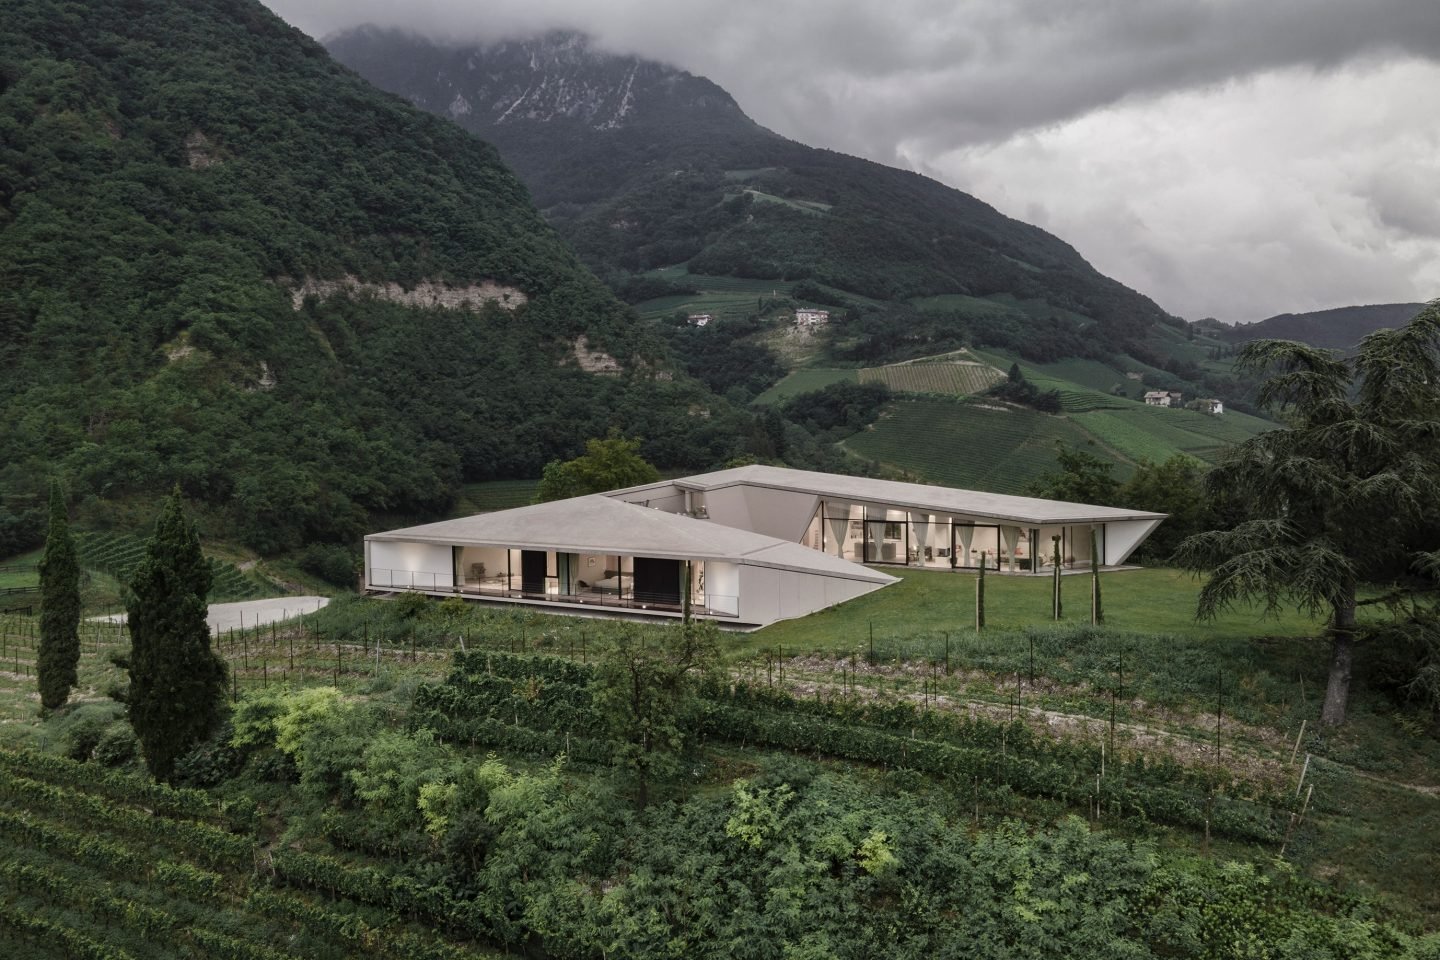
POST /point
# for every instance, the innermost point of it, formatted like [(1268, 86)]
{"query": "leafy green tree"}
[(1082, 478), (642, 688), (606, 465), (59, 654), (1176, 488), (177, 684), (1336, 499)]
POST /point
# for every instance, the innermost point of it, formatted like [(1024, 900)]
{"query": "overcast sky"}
[(1230, 158)]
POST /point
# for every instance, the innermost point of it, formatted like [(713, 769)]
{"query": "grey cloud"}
[(1150, 134)]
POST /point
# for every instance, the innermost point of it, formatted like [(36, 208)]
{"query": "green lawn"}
[(804, 381), (18, 578), (1270, 669), (1154, 601)]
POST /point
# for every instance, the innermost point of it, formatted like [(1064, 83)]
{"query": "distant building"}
[(699, 319), (1164, 398), (1211, 406), (809, 318)]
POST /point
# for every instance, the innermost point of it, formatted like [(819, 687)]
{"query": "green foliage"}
[(1343, 496), (177, 684), (1175, 488), (839, 409), (59, 608), (330, 562), (154, 227), (642, 689), (1082, 478), (609, 464)]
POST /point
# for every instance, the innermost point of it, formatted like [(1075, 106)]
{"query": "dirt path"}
[(249, 613)]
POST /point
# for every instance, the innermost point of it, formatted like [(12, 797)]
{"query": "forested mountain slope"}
[(220, 259), (642, 166), (1338, 329)]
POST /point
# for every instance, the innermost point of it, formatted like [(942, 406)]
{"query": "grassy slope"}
[(968, 445)]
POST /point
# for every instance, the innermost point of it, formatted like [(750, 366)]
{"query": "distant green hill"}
[(642, 166), (1337, 329), (220, 259)]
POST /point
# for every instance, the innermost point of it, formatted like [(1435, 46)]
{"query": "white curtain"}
[(1011, 536)]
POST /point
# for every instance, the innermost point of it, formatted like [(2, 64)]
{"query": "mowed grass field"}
[(722, 297), (971, 445), (805, 380), (1155, 601)]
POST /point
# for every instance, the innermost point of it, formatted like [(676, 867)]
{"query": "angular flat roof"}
[(917, 496), (600, 524)]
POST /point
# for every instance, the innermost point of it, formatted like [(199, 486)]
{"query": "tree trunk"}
[(1342, 634)]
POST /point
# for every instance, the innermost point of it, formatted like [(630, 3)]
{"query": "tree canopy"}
[(609, 464), (59, 654), (1342, 497), (177, 683), (163, 199)]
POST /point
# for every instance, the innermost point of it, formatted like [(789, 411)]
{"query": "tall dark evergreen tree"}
[(59, 655), (1345, 496), (177, 684)]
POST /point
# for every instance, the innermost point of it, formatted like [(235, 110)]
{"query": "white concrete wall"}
[(782, 514), (767, 594), (722, 586), (398, 563), (1123, 536)]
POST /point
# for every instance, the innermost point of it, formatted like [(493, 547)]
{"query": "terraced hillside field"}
[(118, 554), (722, 297), (107, 866), (956, 377), (969, 444), (1157, 433)]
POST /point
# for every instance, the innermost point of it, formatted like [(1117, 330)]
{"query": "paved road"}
[(250, 613)]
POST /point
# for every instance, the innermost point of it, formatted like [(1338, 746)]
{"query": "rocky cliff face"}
[(558, 77)]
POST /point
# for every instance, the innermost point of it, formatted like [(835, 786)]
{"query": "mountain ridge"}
[(684, 176), (1337, 328)]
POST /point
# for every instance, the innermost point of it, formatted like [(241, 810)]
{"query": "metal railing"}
[(513, 588)]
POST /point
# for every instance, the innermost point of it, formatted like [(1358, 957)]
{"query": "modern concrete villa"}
[(747, 546)]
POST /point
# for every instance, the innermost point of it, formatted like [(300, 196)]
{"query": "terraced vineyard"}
[(968, 444), (938, 377), (118, 554), (106, 866), (1156, 433)]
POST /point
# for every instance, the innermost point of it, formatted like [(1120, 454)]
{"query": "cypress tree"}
[(980, 595), (1097, 612), (1056, 587), (59, 654), (177, 684)]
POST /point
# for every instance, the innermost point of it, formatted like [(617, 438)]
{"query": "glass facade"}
[(872, 533)]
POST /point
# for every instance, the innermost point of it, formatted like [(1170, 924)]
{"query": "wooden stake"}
[(1295, 752)]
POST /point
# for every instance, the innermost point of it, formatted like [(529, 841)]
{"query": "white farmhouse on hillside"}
[(1212, 406), (807, 317), (699, 319), (1164, 398)]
